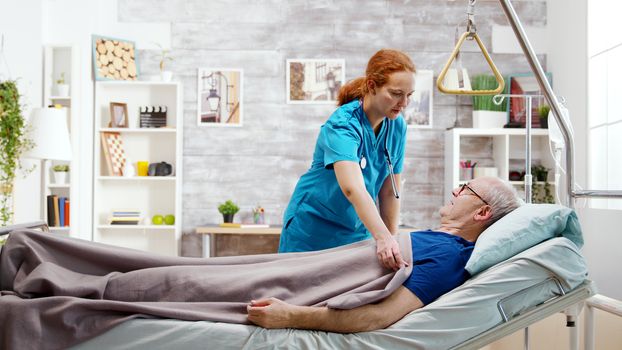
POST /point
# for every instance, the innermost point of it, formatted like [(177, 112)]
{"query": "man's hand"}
[(271, 313), (389, 254)]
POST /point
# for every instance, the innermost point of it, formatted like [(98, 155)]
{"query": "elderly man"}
[(439, 257)]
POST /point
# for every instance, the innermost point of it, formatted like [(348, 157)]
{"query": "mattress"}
[(455, 317)]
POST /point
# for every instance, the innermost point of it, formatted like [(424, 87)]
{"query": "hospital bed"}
[(547, 278), (543, 280)]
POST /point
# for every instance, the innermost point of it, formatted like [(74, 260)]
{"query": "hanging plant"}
[(13, 142)]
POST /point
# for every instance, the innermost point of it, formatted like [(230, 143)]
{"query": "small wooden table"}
[(227, 241)]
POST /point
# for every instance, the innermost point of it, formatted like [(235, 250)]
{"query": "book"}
[(56, 211), (67, 212), (61, 211), (235, 225), (50, 205)]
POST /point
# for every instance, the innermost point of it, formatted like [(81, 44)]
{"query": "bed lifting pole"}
[(552, 100)]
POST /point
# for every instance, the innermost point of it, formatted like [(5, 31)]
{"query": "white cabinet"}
[(151, 195), (61, 62), (503, 149)]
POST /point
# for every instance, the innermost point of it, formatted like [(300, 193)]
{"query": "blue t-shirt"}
[(439, 259), (319, 216)]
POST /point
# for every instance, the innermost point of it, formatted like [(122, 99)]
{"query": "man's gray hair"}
[(503, 199)]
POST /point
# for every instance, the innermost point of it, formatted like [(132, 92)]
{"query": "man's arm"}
[(274, 313)]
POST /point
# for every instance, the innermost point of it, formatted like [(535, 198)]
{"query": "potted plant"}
[(487, 114), (228, 210), (543, 114), (14, 142), (61, 88), (60, 173), (540, 173), (166, 75)]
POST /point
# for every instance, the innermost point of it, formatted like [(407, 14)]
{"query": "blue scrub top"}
[(319, 216)]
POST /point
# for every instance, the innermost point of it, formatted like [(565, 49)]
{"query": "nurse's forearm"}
[(352, 185), (368, 213), (389, 205)]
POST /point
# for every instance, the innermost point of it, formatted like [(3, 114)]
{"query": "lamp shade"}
[(49, 134)]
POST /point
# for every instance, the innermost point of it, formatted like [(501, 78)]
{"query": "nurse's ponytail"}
[(382, 64)]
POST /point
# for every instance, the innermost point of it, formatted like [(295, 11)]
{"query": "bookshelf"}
[(503, 149), (150, 195), (63, 59)]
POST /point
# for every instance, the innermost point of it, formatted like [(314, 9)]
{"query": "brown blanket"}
[(56, 292)]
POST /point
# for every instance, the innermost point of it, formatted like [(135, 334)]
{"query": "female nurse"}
[(351, 191)]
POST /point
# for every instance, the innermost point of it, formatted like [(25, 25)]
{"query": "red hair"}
[(382, 64)]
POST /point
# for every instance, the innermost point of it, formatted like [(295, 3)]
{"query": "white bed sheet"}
[(452, 319)]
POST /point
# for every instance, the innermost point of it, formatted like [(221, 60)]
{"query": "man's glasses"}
[(466, 185)]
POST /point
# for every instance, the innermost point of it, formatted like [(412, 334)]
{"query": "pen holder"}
[(466, 174)]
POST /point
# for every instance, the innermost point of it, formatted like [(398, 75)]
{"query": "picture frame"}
[(525, 84), (314, 81), (114, 153), (114, 59), (118, 115), (220, 97), (418, 113)]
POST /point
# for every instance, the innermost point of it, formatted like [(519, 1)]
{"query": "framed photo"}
[(114, 59), (220, 96), (114, 154), (418, 113), (118, 115), (314, 81), (525, 84)]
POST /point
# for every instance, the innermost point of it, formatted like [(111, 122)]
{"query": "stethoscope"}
[(386, 155), (389, 162), (388, 158)]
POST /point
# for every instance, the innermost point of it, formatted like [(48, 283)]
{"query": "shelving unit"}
[(503, 149), (62, 59), (150, 195)]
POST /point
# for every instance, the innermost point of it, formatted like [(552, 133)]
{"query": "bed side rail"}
[(553, 306), (603, 303), (501, 305), (5, 230)]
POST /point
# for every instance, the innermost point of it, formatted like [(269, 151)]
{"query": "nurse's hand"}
[(388, 252)]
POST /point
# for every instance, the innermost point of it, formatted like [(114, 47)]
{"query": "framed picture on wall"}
[(219, 97), (418, 113), (314, 81), (525, 84), (118, 115), (114, 59)]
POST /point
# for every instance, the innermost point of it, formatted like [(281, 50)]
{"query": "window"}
[(604, 100)]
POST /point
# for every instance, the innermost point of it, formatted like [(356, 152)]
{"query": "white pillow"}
[(523, 228)]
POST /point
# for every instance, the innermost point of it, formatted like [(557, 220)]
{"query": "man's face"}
[(465, 202)]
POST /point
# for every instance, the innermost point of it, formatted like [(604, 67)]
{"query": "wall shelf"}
[(503, 149), (150, 195)]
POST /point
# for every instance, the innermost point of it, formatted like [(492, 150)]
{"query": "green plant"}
[(485, 103), (61, 80), (228, 207), (543, 111), (13, 142), (61, 168), (541, 192), (539, 172)]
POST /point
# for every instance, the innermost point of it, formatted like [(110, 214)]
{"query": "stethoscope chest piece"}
[(363, 163)]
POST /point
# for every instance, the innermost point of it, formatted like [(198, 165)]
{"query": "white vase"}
[(61, 90), (489, 119), (60, 177), (166, 75)]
